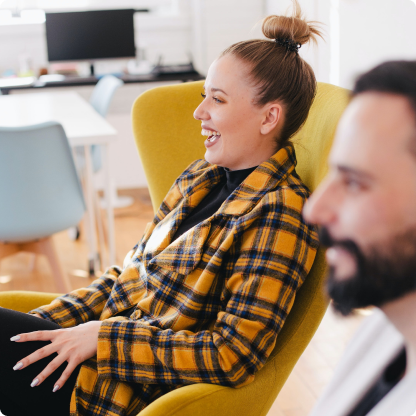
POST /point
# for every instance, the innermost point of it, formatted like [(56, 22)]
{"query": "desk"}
[(83, 127), (126, 78)]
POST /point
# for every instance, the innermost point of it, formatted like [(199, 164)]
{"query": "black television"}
[(90, 35)]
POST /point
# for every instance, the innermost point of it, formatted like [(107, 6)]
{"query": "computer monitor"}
[(90, 35)]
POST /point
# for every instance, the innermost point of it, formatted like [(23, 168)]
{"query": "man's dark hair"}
[(394, 77)]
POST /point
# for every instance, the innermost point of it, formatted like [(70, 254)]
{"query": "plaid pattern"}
[(209, 305)]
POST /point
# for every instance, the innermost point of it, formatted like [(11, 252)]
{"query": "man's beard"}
[(385, 274)]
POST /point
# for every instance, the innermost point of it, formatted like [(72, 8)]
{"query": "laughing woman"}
[(204, 294)]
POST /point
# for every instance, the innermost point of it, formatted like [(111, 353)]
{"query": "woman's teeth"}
[(211, 134)]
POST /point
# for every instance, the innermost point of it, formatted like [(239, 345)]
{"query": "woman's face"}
[(239, 133)]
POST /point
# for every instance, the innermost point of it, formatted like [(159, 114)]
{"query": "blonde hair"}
[(277, 71)]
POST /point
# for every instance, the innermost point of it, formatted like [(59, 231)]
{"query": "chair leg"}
[(33, 262), (101, 233), (8, 249), (5, 251), (89, 199), (47, 248)]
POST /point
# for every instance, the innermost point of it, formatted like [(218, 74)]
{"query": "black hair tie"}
[(289, 44)]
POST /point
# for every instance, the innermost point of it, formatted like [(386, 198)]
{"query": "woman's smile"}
[(213, 136)]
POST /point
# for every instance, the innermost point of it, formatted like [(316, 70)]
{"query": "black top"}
[(388, 379), (212, 202)]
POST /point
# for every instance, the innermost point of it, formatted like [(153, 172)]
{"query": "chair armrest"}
[(23, 301), (190, 400), (208, 399)]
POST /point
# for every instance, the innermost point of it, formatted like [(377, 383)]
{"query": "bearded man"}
[(366, 210)]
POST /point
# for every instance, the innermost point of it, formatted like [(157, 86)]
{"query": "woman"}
[(202, 297)]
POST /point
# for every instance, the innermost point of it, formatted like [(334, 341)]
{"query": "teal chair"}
[(100, 99), (39, 191)]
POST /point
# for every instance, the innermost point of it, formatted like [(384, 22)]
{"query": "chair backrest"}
[(40, 191), (100, 99), (103, 92), (168, 139)]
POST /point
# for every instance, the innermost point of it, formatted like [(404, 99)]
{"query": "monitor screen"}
[(90, 35)]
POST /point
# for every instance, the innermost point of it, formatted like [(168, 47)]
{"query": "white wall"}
[(373, 31), (86, 4), (19, 40), (217, 24), (359, 34), (318, 56)]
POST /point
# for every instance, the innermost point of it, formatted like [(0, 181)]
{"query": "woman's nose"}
[(201, 113)]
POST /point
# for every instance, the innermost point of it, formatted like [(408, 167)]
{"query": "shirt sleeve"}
[(86, 304), (81, 305), (271, 260)]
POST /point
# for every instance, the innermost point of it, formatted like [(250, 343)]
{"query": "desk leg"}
[(109, 203), (89, 189)]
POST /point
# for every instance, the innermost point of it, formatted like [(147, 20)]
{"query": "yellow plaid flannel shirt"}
[(208, 306)]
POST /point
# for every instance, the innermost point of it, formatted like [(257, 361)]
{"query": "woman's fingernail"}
[(15, 338), (18, 366), (35, 382), (56, 388)]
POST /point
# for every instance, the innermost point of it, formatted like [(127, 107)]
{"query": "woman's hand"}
[(35, 314), (74, 345)]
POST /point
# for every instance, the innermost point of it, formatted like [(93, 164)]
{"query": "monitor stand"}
[(92, 71)]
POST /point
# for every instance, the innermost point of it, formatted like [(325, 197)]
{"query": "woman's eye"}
[(353, 185), (217, 100)]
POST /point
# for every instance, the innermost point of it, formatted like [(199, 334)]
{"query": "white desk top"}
[(82, 124)]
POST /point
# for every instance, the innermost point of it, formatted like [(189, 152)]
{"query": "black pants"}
[(17, 398)]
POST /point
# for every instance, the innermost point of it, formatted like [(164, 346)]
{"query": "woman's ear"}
[(272, 116)]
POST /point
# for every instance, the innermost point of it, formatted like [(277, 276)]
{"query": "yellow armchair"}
[(168, 139)]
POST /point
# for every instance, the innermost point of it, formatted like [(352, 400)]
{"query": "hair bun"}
[(294, 28)]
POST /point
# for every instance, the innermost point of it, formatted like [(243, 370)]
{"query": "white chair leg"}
[(116, 200)]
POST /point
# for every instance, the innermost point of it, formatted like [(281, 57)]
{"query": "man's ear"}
[(272, 116)]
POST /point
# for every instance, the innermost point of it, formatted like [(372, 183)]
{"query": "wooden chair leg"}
[(101, 233), (5, 251), (33, 262), (47, 248), (8, 249)]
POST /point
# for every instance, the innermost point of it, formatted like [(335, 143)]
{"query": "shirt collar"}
[(266, 177)]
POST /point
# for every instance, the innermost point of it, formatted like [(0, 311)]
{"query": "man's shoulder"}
[(372, 348)]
